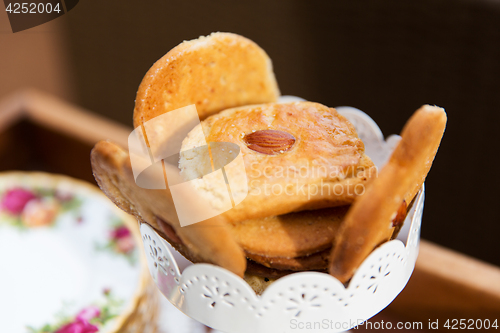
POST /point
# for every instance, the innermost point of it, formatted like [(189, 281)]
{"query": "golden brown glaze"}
[(326, 166)]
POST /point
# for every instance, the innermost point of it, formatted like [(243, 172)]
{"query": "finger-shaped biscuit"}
[(209, 240), (369, 221), (216, 72)]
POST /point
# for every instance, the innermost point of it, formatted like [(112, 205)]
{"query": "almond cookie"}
[(297, 156)]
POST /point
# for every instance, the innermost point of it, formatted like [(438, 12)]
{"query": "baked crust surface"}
[(325, 167), (369, 221), (290, 235), (215, 72)]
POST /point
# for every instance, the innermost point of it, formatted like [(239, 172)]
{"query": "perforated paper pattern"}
[(224, 301)]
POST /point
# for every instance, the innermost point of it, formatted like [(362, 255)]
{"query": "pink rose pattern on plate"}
[(29, 208), (120, 241), (36, 207), (88, 320), (15, 200), (78, 326)]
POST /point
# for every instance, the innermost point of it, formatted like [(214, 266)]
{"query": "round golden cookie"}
[(215, 72), (263, 266), (370, 218), (297, 156), (258, 283), (290, 235), (317, 261)]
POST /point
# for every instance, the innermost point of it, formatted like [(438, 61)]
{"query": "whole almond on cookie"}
[(270, 142)]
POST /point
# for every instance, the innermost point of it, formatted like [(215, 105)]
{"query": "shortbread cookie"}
[(317, 261), (264, 266), (216, 72), (298, 156), (289, 235), (369, 219)]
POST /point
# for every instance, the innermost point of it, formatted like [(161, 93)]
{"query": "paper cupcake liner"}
[(300, 301)]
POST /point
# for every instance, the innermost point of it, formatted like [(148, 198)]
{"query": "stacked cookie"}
[(305, 166)]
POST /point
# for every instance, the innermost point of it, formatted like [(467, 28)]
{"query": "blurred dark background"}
[(384, 57)]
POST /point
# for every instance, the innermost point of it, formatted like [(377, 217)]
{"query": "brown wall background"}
[(37, 58), (385, 57)]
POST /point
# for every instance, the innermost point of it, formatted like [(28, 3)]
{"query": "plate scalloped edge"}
[(142, 291)]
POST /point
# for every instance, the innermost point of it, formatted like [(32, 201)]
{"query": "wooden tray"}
[(40, 132)]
